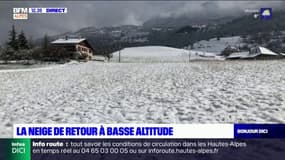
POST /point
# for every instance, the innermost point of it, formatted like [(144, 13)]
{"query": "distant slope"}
[(151, 54), (183, 34), (245, 25), (161, 54), (248, 25), (151, 51), (216, 46), (176, 22)]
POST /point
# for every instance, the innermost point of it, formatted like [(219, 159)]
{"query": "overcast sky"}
[(111, 13)]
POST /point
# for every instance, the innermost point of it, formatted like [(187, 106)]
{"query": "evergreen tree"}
[(45, 42), (1, 52), (22, 41), (13, 42), (31, 42)]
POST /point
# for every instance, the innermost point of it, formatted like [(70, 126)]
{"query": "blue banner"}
[(259, 130)]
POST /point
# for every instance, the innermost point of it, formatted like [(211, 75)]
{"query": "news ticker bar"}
[(158, 149), (149, 131)]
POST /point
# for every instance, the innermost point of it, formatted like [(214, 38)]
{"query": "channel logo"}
[(20, 13), (265, 13)]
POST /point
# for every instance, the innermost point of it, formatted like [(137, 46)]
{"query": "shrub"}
[(244, 48), (24, 54), (1, 52), (37, 53), (51, 54), (229, 50), (79, 55), (8, 54)]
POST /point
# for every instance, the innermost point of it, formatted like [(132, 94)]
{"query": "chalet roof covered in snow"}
[(254, 52), (68, 41), (72, 42), (267, 51), (239, 55)]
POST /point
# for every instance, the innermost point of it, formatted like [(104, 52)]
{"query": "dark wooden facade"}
[(79, 48)]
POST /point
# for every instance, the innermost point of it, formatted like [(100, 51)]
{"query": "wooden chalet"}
[(80, 48)]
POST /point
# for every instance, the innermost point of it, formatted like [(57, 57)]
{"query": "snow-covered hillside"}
[(152, 54), (217, 46), (152, 51), (161, 54)]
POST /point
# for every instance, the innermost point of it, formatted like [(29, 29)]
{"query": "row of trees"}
[(18, 42), (19, 48)]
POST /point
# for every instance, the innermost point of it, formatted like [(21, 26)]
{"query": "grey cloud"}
[(112, 13)]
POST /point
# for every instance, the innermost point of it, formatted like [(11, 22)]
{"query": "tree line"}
[(18, 47)]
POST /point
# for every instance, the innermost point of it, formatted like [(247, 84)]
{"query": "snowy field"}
[(94, 92), (150, 54)]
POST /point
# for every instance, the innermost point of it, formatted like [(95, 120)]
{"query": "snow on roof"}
[(68, 41), (267, 51), (261, 50), (239, 55)]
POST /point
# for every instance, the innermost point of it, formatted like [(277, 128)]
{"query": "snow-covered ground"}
[(195, 92), (152, 54), (217, 46)]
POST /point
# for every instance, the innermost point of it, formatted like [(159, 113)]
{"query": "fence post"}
[(119, 56)]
